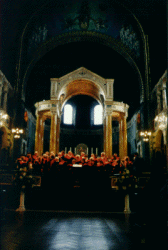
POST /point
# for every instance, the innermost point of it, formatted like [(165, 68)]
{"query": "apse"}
[(82, 128), (82, 113)]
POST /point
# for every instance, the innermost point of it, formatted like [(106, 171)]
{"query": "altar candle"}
[(70, 149), (97, 151), (91, 150)]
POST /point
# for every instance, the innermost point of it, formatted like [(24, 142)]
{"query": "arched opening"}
[(82, 131)]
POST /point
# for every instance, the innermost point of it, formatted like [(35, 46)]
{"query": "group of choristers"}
[(43, 164)]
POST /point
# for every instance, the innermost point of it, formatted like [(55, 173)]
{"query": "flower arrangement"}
[(23, 179), (126, 181)]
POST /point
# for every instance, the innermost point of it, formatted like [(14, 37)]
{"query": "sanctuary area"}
[(83, 124)]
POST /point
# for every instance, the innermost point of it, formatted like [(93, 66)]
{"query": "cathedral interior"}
[(83, 55)]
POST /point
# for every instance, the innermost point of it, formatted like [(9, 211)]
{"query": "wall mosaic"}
[(82, 15)]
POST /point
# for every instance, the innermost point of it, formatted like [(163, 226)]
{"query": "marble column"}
[(53, 132), (41, 132), (58, 134), (122, 136), (108, 135), (104, 135), (38, 133)]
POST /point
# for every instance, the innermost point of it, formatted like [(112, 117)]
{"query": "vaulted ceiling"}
[(93, 55)]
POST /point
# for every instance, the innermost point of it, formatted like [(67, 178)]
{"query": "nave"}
[(53, 231)]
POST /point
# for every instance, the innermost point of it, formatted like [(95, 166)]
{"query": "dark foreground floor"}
[(59, 230), (52, 220)]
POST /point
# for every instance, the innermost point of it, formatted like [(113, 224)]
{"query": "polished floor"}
[(59, 230), (83, 220)]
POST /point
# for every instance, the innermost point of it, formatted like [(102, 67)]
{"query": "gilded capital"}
[(108, 110), (53, 111)]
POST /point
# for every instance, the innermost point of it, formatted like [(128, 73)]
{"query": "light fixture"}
[(145, 134), (161, 121), (3, 118), (17, 132)]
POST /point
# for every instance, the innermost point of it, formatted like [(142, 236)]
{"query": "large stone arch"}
[(81, 81), (80, 36)]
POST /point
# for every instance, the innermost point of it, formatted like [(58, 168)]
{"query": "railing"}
[(127, 185), (7, 176)]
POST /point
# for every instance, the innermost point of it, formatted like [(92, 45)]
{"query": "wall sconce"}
[(145, 135), (17, 132)]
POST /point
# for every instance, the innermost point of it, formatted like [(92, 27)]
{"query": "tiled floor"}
[(59, 230)]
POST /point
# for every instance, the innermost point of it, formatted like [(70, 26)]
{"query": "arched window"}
[(68, 114), (98, 115)]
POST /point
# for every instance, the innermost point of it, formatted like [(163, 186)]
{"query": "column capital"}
[(122, 116), (38, 113), (53, 111), (107, 113), (108, 110)]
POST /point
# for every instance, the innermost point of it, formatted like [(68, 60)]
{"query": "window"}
[(98, 115), (68, 114)]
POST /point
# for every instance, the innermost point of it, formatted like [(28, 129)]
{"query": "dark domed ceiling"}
[(98, 58), (106, 17)]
